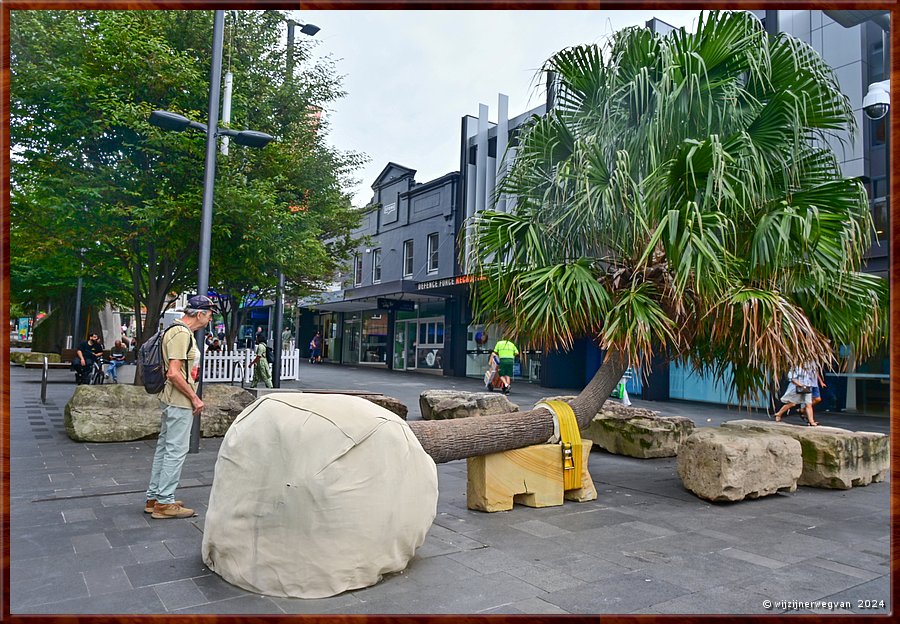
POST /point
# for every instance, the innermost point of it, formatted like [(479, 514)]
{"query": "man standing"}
[(179, 403), (507, 352), (286, 338)]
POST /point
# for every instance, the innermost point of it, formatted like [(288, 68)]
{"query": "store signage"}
[(449, 281), (396, 304)]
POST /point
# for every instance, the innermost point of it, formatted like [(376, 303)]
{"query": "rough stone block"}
[(446, 404), (389, 403), (20, 357), (121, 412), (730, 465), (832, 457), (531, 476), (637, 432)]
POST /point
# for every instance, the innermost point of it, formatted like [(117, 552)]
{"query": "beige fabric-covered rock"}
[(316, 494)]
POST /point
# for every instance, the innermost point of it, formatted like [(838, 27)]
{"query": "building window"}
[(407, 258), (357, 270), (376, 266), (432, 253)]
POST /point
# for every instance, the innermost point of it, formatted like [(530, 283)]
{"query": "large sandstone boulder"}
[(832, 457), (316, 494), (222, 404), (388, 403), (122, 412), (446, 404), (729, 464), (637, 432), (20, 357)]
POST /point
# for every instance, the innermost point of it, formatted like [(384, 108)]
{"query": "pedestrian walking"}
[(507, 352), (261, 370), (180, 403), (315, 349), (803, 380)]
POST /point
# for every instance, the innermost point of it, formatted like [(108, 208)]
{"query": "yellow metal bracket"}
[(570, 441)]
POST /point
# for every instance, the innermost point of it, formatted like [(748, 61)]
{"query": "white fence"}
[(228, 366)]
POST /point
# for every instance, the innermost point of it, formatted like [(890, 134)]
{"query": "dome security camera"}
[(878, 100)]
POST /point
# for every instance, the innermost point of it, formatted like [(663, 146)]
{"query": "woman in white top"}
[(805, 376)]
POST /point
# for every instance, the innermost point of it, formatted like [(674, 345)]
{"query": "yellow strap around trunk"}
[(570, 440)]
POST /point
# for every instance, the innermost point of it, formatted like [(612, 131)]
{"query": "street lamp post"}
[(178, 123), (311, 30)]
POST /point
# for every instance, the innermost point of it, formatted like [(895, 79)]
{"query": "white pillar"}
[(502, 136), (481, 159)]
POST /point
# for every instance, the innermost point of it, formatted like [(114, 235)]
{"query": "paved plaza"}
[(82, 544)]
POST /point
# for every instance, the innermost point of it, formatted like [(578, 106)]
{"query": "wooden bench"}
[(50, 365)]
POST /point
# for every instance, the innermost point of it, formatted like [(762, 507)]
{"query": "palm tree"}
[(681, 197)]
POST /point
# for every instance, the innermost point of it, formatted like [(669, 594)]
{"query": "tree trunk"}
[(446, 440)]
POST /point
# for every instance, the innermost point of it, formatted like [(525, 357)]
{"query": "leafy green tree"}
[(89, 171), (681, 197)]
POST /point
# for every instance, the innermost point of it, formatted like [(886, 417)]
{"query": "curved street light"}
[(250, 138)]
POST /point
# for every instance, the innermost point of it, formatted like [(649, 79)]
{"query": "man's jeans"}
[(171, 449), (113, 366)]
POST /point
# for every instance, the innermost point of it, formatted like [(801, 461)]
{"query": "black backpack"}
[(270, 357), (150, 359)]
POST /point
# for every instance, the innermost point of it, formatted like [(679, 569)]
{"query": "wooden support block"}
[(531, 476), (587, 491)]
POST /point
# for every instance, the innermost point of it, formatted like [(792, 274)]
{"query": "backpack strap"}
[(165, 360)]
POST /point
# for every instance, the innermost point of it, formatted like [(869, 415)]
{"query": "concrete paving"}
[(82, 544)]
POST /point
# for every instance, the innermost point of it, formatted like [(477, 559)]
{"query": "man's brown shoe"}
[(148, 506), (172, 510)]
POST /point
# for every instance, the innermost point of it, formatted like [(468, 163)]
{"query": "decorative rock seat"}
[(21, 357), (729, 464), (832, 457), (637, 432), (446, 404), (121, 412)]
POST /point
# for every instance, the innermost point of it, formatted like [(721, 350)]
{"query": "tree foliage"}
[(681, 196), (89, 171)]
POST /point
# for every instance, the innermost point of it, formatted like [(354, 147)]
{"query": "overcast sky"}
[(412, 75)]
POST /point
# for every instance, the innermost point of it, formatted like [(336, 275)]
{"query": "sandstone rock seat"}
[(730, 464), (388, 403), (122, 412), (446, 404), (832, 457), (20, 357), (637, 432)]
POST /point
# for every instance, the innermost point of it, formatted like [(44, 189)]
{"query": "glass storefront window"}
[(374, 338)]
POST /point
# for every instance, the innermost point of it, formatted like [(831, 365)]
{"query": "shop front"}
[(419, 340), (402, 330)]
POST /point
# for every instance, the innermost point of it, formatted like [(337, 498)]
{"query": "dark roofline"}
[(432, 183), (409, 172)]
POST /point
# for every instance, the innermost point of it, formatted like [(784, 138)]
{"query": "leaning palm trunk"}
[(446, 440)]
